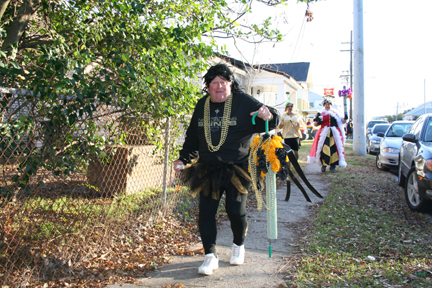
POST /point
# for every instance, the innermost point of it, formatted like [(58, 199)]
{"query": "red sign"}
[(328, 91)]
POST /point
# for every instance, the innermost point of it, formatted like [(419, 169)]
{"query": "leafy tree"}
[(86, 60), (392, 118)]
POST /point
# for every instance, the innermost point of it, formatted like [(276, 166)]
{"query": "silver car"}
[(372, 123), (373, 141), (388, 156), (415, 165)]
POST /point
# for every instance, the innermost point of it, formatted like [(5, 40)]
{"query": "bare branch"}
[(34, 44), (270, 2), (65, 147)]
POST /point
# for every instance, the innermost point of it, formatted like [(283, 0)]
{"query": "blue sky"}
[(397, 51)]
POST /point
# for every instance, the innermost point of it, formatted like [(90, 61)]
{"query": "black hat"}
[(326, 100)]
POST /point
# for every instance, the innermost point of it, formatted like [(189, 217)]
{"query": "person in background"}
[(328, 147), (292, 124), (309, 129), (216, 152), (350, 129), (314, 130)]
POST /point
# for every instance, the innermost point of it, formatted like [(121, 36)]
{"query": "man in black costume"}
[(217, 146)]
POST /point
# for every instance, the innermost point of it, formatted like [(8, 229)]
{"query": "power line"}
[(350, 76), (300, 33)]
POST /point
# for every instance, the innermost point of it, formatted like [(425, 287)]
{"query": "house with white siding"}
[(418, 111), (272, 84)]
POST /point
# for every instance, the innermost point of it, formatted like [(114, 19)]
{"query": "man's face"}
[(289, 108), (327, 106), (219, 89)]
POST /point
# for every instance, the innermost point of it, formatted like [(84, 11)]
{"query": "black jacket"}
[(236, 146)]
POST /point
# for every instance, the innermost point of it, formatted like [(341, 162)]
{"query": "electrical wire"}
[(300, 33)]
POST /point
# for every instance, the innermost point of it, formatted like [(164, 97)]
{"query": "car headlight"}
[(429, 164), (375, 141), (390, 150)]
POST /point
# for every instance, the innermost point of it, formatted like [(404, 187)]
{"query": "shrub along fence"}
[(68, 202)]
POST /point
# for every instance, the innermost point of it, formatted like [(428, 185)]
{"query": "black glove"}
[(317, 119)]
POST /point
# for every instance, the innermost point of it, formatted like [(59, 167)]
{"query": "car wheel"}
[(401, 177), (412, 195), (378, 163)]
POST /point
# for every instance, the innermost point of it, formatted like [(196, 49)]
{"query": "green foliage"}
[(392, 118), (90, 64), (12, 134)]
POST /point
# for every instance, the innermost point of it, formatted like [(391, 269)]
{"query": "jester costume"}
[(228, 166), (328, 146), (210, 174)]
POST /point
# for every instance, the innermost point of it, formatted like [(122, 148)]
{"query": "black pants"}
[(294, 143), (207, 219)]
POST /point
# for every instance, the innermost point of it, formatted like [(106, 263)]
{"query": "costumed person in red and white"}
[(328, 146)]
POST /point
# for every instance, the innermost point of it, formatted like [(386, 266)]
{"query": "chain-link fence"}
[(76, 197)]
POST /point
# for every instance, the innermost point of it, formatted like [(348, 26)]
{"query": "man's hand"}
[(263, 113), (178, 165)]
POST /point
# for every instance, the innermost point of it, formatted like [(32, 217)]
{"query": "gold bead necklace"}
[(225, 123), (253, 161)]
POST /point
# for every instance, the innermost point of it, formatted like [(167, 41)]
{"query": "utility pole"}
[(359, 147), (424, 90), (397, 111), (402, 105), (350, 73)]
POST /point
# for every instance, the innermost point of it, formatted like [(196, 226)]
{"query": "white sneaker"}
[(238, 253), (211, 262)]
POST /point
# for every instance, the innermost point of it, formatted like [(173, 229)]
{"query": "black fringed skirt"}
[(213, 179)]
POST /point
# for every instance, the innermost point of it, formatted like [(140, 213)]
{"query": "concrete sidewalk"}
[(259, 270)]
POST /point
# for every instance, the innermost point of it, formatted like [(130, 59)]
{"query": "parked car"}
[(415, 165), (373, 141), (372, 123), (388, 156), (372, 144)]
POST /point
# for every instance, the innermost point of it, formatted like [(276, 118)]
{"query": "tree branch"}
[(34, 44), (19, 23), (3, 6)]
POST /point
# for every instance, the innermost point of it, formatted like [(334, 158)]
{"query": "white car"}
[(388, 156)]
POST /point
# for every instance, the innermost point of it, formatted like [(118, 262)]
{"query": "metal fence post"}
[(166, 156)]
